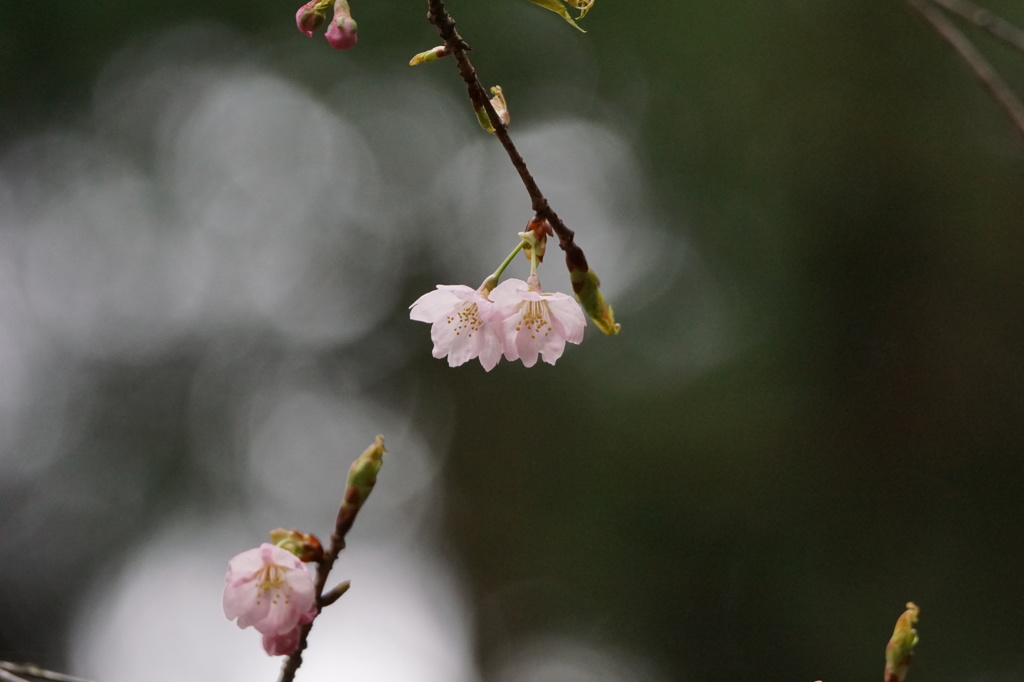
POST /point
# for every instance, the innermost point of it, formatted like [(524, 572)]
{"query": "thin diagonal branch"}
[(981, 17), (983, 71), (20, 672), (445, 25), (342, 525)]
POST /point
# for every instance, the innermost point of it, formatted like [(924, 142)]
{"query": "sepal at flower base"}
[(306, 546), (535, 238)]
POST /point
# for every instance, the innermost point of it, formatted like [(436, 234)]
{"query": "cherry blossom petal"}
[(460, 329), (269, 589), (282, 645), (566, 312), (534, 323)]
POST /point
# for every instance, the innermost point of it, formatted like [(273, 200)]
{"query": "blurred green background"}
[(808, 216)]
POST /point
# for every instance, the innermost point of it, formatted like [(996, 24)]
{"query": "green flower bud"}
[(363, 474), (900, 650), (586, 287), (431, 55)]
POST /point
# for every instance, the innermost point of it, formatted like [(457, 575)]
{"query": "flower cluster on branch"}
[(516, 319)]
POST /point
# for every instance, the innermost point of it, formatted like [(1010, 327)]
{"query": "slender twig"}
[(323, 569), (13, 671), (445, 25), (981, 17), (361, 479), (983, 71)]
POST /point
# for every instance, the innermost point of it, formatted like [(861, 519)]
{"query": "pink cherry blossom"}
[(269, 589), (460, 324), (533, 323)]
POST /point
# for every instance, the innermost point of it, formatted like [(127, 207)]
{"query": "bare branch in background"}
[(25, 672), (979, 16), (984, 72)]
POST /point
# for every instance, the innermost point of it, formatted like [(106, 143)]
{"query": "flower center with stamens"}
[(534, 318), (270, 581), (465, 319)]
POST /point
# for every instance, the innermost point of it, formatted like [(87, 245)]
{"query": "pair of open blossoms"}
[(515, 319)]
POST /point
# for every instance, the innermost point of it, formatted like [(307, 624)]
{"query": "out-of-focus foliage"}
[(562, 10), (807, 216)]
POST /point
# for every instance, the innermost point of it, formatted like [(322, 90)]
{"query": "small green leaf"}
[(558, 8)]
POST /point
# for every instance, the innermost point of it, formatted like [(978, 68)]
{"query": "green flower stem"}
[(492, 281)]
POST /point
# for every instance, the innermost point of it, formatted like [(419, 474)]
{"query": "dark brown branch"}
[(445, 25), (323, 568), (981, 17), (346, 517), (983, 71)]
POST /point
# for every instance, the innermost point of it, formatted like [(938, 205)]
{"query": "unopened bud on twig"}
[(312, 16), (586, 286), (431, 55), (333, 595), (341, 34), (363, 474), (900, 650), (308, 19)]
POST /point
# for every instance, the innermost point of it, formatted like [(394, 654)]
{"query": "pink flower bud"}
[(309, 18), (342, 33)]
